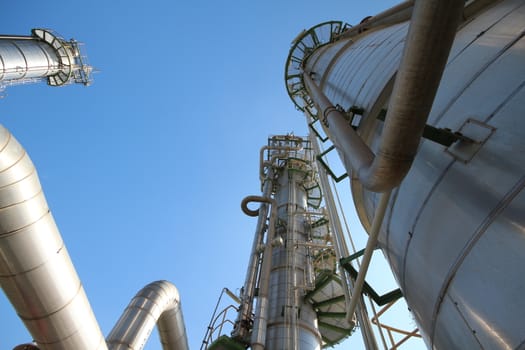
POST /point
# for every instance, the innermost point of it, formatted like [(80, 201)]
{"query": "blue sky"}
[(144, 170)]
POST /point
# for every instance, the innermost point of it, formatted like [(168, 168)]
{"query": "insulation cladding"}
[(298, 328), (454, 232), (43, 55)]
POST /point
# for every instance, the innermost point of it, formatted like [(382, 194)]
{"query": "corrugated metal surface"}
[(357, 75), (26, 59), (455, 229)]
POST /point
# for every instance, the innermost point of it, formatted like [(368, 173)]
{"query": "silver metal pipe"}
[(244, 205), (157, 303), (292, 337), (36, 272), (16, 37), (367, 256), (341, 251), (242, 324), (430, 36), (258, 339), (393, 15), (263, 164)]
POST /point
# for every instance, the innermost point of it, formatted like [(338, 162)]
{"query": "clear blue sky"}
[(144, 170)]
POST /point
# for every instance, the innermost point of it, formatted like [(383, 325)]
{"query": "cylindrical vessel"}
[(44, 55), (292, 322), (454, 229)]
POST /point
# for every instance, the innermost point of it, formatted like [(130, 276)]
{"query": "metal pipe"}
[(430, 37), (157, 303), (291, 341), (369, 250), (232, 295), (258, 339), (16, 37), (36, 272), (263, 164), (341, 250), (244, 205), (393, 15), (243, 324)]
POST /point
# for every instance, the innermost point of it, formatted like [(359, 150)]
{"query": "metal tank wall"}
[(454, 233)]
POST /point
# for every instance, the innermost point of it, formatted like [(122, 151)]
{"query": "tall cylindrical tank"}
[(300, 301), (292, 321), (454, 232)]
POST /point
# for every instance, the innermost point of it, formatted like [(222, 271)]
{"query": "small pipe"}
[(244, 205), (258, 339), (18, 37), (263, 164), (429, 39), (367, 257), (393, 15), (232, 295), (341, 250), (242, 324)]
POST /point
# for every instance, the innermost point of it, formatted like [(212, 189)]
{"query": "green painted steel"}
[(303, 46), (226, 343), (367, 289)]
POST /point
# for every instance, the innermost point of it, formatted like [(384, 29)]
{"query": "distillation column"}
[(300, 301), (292, 323)]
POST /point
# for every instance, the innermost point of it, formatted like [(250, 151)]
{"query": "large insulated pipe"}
[(36, 272), (430, 36), (156, 304)]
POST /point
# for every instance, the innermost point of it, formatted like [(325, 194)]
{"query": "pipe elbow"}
[(249, 199), (157, 303), (385, 173)]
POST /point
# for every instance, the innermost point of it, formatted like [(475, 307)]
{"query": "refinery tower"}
[(423, 104)]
